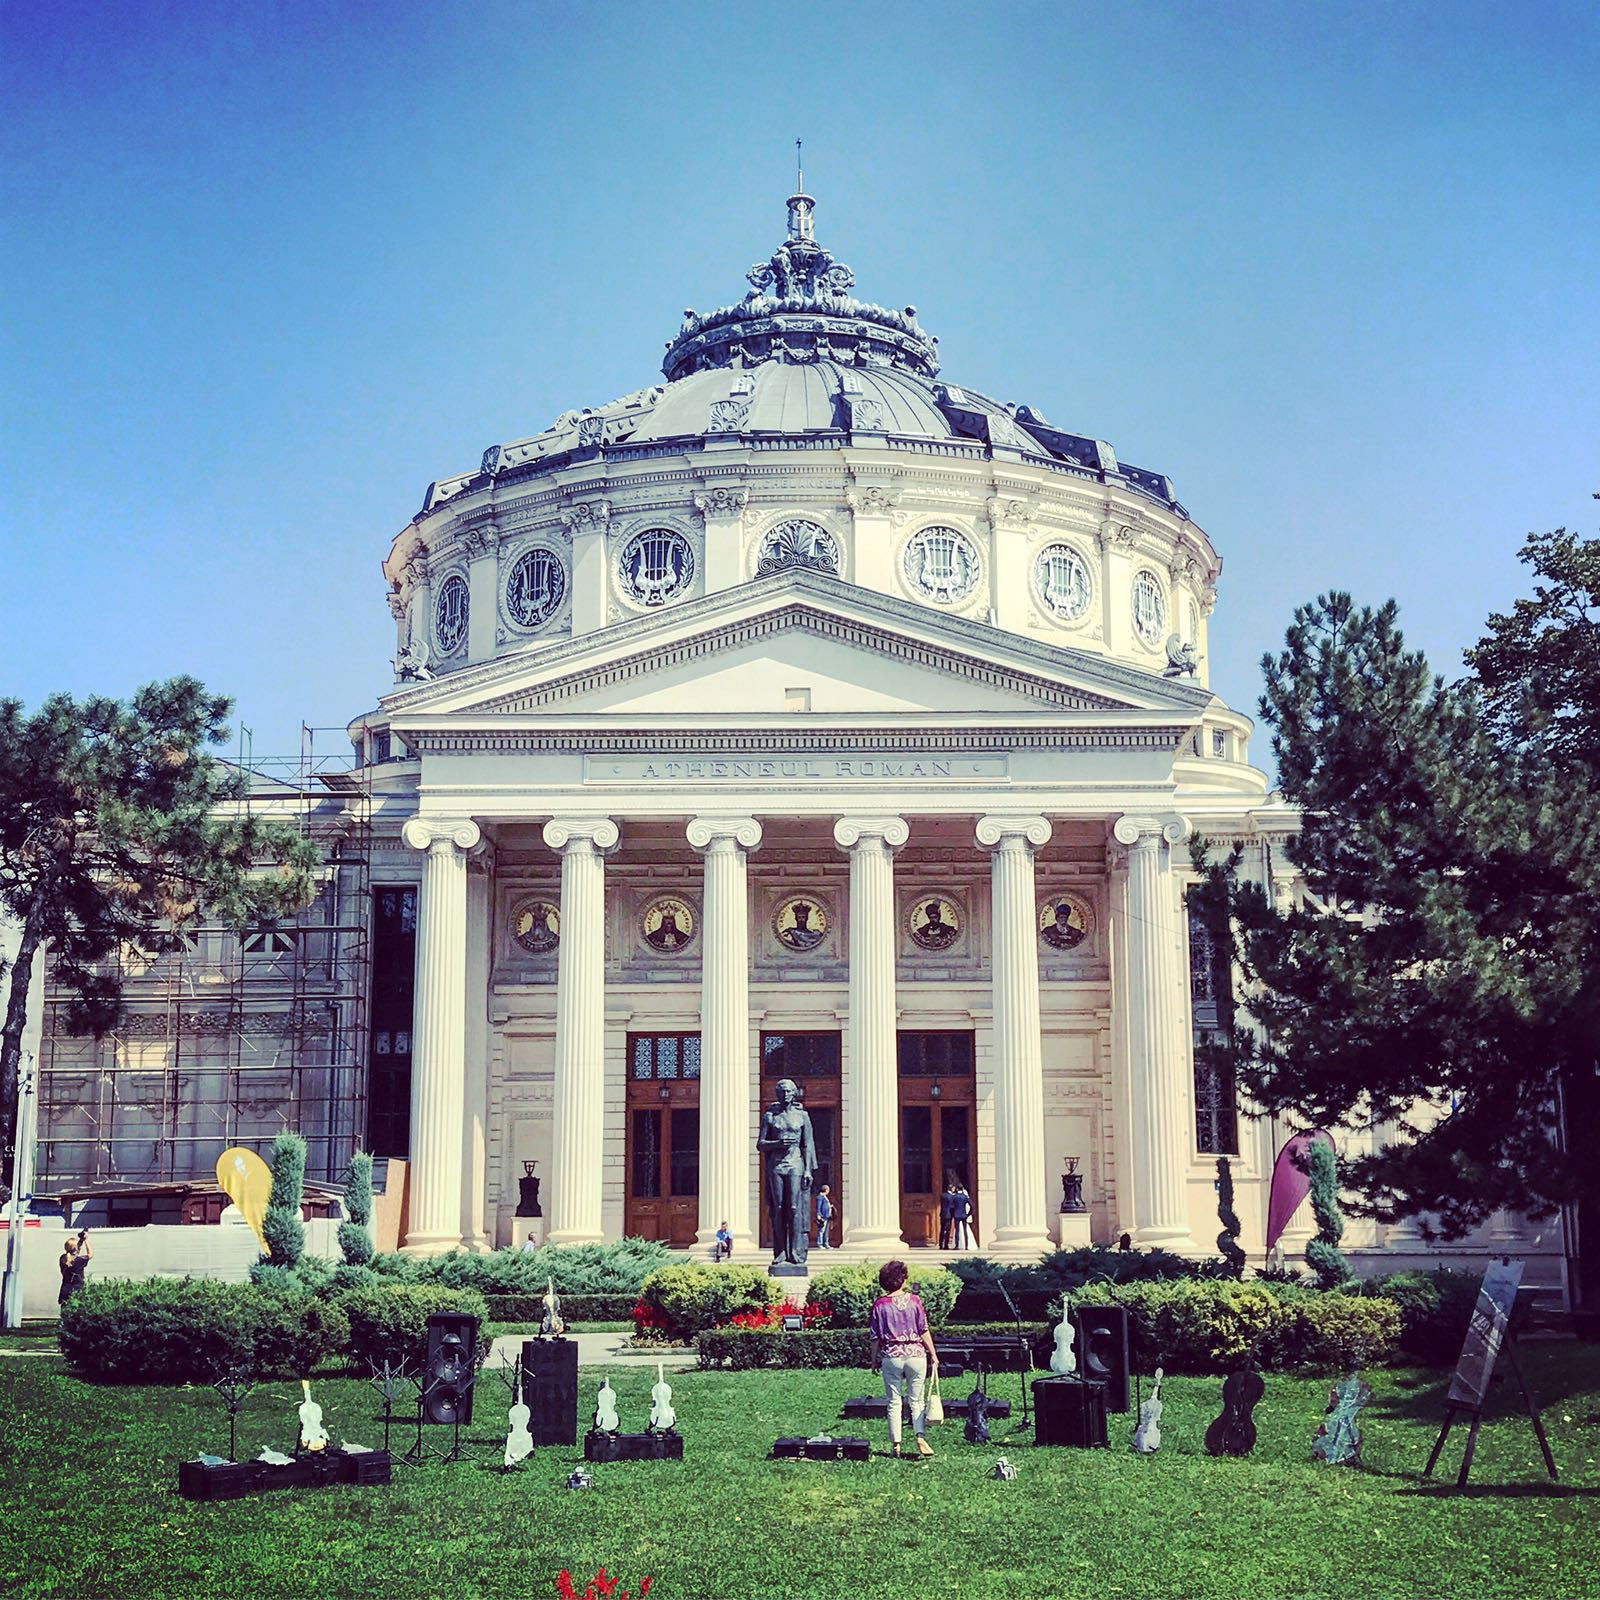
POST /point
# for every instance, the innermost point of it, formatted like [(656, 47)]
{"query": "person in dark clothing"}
[(947, 1213), (74, 1265)]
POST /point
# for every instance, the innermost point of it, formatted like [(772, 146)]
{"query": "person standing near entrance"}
[(903, 1348), (947, 1213), (824, 1217), (965, 1235)]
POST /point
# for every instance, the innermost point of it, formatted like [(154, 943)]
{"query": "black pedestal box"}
[(823, 1449), (232, 1480), (550, 1389), (1069, 1411), (362, 1466), (632, 1446)]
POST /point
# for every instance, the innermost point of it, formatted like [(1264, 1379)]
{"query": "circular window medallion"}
[(935, 922), (797, 543), (535, 587), (668, 924), (656, 565), (801, 923), (1064, 921), (1149, 609), (1061, 582), (536, 926), (942, 565), (450, 614)]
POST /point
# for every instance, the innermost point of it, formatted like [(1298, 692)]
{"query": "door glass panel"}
[(800, 1055), (685, 1152), (936, 1055), (916, 1149), (646, 1155), (825, 1131), (955, 1154)]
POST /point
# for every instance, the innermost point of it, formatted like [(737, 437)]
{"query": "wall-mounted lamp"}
[(936, 1093), (665, 1093)]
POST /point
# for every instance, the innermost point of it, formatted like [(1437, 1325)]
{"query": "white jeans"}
[(899, 1373)]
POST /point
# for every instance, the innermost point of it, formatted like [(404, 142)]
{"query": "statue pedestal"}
[(525, 1228), (788, 1269), (1074, 1234)]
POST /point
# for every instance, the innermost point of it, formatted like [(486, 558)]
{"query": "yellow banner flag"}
[(247, 1181)]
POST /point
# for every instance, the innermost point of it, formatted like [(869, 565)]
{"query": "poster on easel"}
[(1497, 1294)]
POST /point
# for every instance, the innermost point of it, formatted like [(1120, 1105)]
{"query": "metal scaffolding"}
[(230, 1038)]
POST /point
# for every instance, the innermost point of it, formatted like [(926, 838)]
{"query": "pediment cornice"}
[(1052, 678)]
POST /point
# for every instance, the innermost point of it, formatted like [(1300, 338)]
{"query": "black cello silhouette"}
[(1234, 1433)]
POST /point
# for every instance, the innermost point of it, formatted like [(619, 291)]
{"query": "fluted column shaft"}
[(726, 1151), (872, 1107), (578, 1160), (1159, 1090), (1020, 1228), (439, 1057)]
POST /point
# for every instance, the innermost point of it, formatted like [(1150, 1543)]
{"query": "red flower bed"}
[(600, 1587), (772, 1317)]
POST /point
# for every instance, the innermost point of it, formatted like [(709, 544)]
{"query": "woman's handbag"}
[(935, 1409)]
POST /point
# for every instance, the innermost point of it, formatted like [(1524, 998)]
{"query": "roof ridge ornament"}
[(799, 308)]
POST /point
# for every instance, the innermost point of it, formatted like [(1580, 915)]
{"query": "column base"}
[(1025, 1245), (564, 1236), (1178, 1240), (430, 1244), (891, 1244)]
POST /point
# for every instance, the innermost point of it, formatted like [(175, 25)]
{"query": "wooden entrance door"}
[(663, 1196), (938, 1117), (812, 1061)]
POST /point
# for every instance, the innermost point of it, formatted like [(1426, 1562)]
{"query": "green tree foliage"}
[(1323, 1255), (285, 1232), (117, 827), (355, 1237), (1228, 1239), (1444, 975)]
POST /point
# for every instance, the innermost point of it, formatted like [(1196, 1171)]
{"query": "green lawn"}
[(89, 1505)]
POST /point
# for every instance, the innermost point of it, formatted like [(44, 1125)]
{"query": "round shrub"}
[(389, 1321), (186, 1330), (1434, 1307), (849, 1292), (689, 1297), (1336, 1332)]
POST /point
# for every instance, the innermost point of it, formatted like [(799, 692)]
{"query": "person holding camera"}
[(75, 1261)]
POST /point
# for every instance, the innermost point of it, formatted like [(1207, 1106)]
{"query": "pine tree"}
[(354, 1238), (1228, 1239), (284, 1231), (1323, 1254), (1443, 977), (117, 826)]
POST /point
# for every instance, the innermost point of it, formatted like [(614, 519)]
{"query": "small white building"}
[(806, 715)]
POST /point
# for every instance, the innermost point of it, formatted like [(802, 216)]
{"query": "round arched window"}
[(535, 587), (1149, 609), (1061, 582), (941, 564), (656, 565), (797, 543), (450, 611)]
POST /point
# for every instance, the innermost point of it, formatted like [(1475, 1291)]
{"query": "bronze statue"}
[(789, 1157)]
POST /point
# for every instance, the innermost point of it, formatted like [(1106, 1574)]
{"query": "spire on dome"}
[(802, 208)]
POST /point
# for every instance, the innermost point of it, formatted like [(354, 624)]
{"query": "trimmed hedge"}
[(1434, 1307), (167, 1330), (619, 1268), (851, 1290), (389, 1322), (1214, 1326), (689, 1297), (574, 1307), (741, 1349)]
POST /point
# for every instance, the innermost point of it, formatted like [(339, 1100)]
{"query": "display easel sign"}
[(1490, 1330)]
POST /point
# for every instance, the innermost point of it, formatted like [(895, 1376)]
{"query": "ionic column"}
[(439, 1054), (577, 1159), (725, 1146), (872, 1108), (1020, 1227), (1159, 1088)]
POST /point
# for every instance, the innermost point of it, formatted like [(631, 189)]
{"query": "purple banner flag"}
[(1290, 1182)]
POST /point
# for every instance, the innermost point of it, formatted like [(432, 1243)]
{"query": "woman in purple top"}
[(904, 1347)]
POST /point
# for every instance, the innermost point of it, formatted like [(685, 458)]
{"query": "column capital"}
[(599, 834), (848, 832), (704, 832), (1134, 828), (993, 831), (423, 833)]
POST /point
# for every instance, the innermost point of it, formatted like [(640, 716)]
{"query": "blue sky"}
[(271, 269)]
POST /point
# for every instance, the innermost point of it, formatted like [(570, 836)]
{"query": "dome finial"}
[(801, 206)]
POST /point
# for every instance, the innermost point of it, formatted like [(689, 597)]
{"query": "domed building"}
[(807, 715)]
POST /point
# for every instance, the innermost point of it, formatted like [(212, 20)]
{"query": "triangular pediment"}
[(751, 651)]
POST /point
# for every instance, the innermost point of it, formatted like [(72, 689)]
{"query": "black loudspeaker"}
[(451, 1369), (1103, 1350), (1069, 1411), (550, 1389)]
